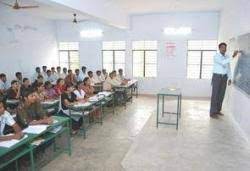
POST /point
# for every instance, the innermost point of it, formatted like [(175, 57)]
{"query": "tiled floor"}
[(130, 140)]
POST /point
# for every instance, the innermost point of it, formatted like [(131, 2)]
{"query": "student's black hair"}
[(84, 67), (52, 68), (120, 70), (58, 80), (28, 92), (69, 85), (44, 66), (85, 80), (13, 82), (48, 71), (70, 70), (25, 79), (90, 72), (58, 67), (98, 71), (39, 76), (18, 73), (47, 83), (222, 44), (2, 75), (37, 68), (64, 68), (77, 70), (78, 84)]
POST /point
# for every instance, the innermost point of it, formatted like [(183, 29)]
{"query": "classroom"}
[(121, 85)]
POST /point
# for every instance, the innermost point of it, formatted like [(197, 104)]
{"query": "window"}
[(113, 55), (200, 58), (144, 58), (69, 55)]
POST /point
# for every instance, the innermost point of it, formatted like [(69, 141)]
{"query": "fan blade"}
[(6, 4), (25, 7)]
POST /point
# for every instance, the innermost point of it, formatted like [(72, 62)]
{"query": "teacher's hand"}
[(229, 82)]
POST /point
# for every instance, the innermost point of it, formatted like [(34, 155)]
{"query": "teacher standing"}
[(221, 78)]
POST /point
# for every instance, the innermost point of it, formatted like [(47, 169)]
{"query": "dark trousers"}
[(219, 84)]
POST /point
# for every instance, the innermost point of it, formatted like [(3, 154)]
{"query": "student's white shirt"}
[(60, 75), (51, 79), (3, 85), (64, 75), (82, 75), (98, 79), (92, 81), (109, 83), (6, 119), (79, 77), (119, 78), (104, 77), (79, 94), (54, 76), (34, 77), (44, 74)]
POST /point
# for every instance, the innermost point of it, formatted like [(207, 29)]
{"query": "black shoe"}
[(219, 113), (214, 116)]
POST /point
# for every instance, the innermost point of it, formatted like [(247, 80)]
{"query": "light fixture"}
[(177, 31), (91, 33)]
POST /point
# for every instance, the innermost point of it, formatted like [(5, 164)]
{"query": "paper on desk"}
[(82, 104), (105, 93), (10, 143), (35, 129)]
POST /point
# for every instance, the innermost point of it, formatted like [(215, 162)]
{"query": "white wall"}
[(234, 22), (25, 42), (171, 72)]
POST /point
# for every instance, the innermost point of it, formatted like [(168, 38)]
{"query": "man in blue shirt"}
[(221, 73)]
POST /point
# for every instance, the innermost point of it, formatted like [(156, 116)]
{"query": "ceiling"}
[(49, 10), (161, 6)]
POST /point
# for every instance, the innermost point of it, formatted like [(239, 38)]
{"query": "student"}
[(80, 94), (70, 78), (64, 74), (14, 91), (87, 88), (7, 119), (44, 72), (104, 74), (69, 98), (37, 81), (59, 73), (25, 86), (50, 92), (36, 74), (19, 78), (3, 84), (111, 82), (60, 86), (83, 73), (78, 76), (120, 77), (91, 77), (41, 96), (54, 74), (50, 77), (98, 77), (31, 111)]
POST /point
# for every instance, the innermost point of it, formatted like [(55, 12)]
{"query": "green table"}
[(172, 92), (25, 147)]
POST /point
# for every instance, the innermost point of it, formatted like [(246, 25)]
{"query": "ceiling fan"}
[(17, 6)]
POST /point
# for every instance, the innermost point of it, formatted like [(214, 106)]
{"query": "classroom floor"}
[(131, 141)]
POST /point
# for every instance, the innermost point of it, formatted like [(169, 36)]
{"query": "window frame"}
[(144, 61), (201, 61)]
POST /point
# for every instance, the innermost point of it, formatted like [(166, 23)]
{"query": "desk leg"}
[(101, 112), (163, 103), (113, 98), (32, 159), (16, 163), (157, 113), (136, 90), (69, 142), (180, 104), (83, 125), (178, 111)]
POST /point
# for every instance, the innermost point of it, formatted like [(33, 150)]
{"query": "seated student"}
[(3, 84), (83, 72), (50, 92), (91, 77), (69, 98), (111, 82), (19, 78), (31, 111), (78, 76), (60, 86), (37, 81), (98, 77), (50, 77), (64, 74), (25, 86), (59, 73), (87, 88), (122, 82), (36, 74), (70, 78), (14, 91), (7, 119), (41, 96), (120, 76), (104, 74), (80, 94), (44, 72), (54, 74)]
